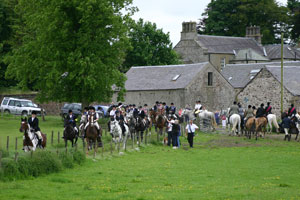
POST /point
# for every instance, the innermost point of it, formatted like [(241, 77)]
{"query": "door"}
[(18, 107), (12, 107)]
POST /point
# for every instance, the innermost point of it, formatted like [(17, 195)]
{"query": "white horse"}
[(298, 118), (272, 121), (204, 114), (235, 120), (116, 132), (189, 113)]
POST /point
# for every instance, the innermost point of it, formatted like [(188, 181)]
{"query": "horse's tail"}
[(253, 127), (274, 120)]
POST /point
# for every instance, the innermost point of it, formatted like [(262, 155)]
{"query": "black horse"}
[(70, 134), (140, 127)]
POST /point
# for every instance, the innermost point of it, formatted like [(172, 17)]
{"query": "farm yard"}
[(219, 167)]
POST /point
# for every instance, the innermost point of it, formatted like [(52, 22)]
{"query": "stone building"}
[(261, 83), (219, 50), (180, 84), (289, 53)]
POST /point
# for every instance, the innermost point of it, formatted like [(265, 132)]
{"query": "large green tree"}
[(294, 7), (71, 50), (6, 33), (150, 46), (231, 17)]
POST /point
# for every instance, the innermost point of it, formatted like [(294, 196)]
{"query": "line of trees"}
[(231, 17), (76, 50)]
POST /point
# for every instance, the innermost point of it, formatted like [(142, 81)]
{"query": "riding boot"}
[(40, 143)]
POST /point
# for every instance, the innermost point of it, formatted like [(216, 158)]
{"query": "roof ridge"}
[(163, 66)]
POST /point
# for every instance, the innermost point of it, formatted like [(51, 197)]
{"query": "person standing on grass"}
[(191, 128), (175, 133), (170, 127)]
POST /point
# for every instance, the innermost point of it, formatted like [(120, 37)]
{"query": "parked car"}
[(19, 106), (102, 110), (75, 107)]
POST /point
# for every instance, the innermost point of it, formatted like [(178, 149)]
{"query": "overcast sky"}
[(169, 14)]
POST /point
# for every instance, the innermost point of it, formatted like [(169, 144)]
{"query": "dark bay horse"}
[(92, 136), (70, 134), (140, 127), (30, 140)]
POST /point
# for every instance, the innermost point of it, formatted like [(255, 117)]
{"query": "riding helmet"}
[(33, 112)]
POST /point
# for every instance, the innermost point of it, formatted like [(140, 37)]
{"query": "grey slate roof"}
[(225, 44), (274, 52), (160, 77), (250, 55), (238, 75), (291, 80)]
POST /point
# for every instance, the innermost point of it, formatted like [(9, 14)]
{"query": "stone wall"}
[(215, 59), (52, 108), (265, 88), (191, 52), (216, 97)]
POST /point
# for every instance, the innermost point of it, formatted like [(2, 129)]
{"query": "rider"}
[(135, 111), (71, 119), (234, 109), (96, 118), (146, 110), (120, 119), (248, 113), (166, 108), (292, 111), (172, 108), (241, 113), (33, 121), (260, 111), (155, 106), (268, 109)]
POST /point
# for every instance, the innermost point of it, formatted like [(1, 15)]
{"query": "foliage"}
[(150, 46), (294, 8), (231, 17), (71, 50), (6, 22)]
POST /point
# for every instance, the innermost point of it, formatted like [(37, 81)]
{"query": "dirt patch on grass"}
[(230, 142)]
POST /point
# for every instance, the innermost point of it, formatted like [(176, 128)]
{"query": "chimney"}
[(254, 32), (189, 31)]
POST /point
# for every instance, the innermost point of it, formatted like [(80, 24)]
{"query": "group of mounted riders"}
[(254, 115)]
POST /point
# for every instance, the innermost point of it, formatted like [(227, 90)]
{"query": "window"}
[(210, 79), (12, 103), (5, 102), (223, 63), (18, 103)]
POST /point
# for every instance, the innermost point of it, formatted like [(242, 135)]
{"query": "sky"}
[(169, 14)]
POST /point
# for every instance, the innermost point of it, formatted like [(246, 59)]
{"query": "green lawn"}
[(219, 167)]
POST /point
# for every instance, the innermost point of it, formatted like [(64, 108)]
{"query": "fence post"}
[(16, 149), (58, 137), (52, 137), (7, 144), (132, 139)]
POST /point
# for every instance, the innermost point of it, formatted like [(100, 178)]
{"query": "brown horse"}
[(30, 139), (92, 135), (261, 126), (250, 127)]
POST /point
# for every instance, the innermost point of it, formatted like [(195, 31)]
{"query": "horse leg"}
[(66, 143)]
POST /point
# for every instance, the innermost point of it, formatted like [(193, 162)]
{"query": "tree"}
[(294, 8), (231, 17), (150, 46), (71, 50), (6, 21)]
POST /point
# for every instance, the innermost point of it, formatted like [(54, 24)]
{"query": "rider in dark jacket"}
[(71, 119), (292, 110), (268, 109), (260, 111), (33, 121)]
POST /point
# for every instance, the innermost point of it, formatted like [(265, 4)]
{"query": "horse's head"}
[(83, 119), (91, 120), (24, 125)]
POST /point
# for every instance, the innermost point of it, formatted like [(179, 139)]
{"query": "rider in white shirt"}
[(96, 118)]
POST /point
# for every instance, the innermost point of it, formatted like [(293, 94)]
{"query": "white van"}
[(18, 106)]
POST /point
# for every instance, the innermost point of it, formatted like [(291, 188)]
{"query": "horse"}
[(83, 121), (140, 127), (235, 121), (30, 139), (70, 134), (188, 115), (250, 127), (293, 128), (160, 123), (131, 125), (204, 115), (91, 134), (116, 131), (272, 121), (152, 116), (261, 125)]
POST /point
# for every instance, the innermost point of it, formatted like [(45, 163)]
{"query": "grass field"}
[(219, 167)]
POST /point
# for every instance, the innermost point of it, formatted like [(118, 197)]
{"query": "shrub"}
[(78, 157), (4, 153), (45, 162), (10, 170), (66, 159)]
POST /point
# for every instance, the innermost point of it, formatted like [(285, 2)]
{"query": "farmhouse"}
[(259, 83), (180, 84), (223, 50)]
